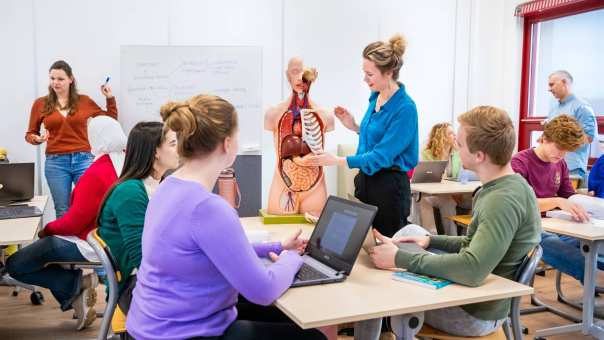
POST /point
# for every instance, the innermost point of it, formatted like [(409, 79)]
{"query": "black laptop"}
[(17, 185), (335, 242)]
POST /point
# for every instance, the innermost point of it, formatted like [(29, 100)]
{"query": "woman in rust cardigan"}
[(64, 114)]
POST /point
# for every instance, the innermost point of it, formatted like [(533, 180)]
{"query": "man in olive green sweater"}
[(505, 226)]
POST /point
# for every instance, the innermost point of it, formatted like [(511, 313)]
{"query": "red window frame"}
[(527, 123)]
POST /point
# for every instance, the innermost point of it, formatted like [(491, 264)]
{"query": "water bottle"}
[(463, 176)]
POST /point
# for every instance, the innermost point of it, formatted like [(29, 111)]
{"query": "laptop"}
[(16, 182), (429, 172), (335, 242)]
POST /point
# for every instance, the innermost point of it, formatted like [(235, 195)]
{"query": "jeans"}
[(62, 171), (564, 254), (28, 266)]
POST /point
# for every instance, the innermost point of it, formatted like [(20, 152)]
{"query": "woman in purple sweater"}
[(196, 257)]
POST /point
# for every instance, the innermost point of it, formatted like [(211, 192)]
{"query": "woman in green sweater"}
[(150, 152), (441, 146)]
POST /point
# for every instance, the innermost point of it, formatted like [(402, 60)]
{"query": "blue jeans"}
[(564, 254), (28, 266), (62, 171)]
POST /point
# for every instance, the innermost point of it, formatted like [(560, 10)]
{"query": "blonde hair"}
[(438, 140), (201, 123), (387, 56), (490, 130), (565, 132)]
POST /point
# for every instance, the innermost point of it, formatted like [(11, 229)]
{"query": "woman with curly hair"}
[(441, 146)]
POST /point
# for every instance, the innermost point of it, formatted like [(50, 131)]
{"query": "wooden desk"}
[(22, 230), (445, 187), (592, 240), (371, 293)]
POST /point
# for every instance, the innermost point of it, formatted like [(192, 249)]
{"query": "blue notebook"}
[(421, 280)]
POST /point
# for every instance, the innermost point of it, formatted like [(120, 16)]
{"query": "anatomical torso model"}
[(299, 128)]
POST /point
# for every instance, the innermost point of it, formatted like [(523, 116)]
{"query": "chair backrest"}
[(527, 268), (113, 277)]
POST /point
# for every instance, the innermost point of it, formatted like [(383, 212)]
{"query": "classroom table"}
[(22, 230), (445, 187), (19, 231), (592, 238), (370, 293)]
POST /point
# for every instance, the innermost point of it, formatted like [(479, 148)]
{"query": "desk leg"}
[(406, 326), (590, 251)]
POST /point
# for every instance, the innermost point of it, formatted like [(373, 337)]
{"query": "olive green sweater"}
[(505, 226), (121, 225)]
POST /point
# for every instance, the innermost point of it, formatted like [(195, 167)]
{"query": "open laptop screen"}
[(16, 182), (340, 232)]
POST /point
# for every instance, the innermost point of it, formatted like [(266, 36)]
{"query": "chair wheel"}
[(15, 293), (539, 338), (560, 299), (36, 298), (525, 330)]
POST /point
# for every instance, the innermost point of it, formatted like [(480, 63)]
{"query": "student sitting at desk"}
[(195, 255), (150, 152), (545, 170), (441, 146), (64, 240), (505, 226)]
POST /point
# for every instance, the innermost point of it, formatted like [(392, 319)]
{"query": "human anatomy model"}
[(299, 130)]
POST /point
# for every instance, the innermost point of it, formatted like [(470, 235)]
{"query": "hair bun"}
[(178, 117), (398, 43), (167, 109)]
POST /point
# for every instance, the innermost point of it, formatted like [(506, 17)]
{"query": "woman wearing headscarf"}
[(64, 240)]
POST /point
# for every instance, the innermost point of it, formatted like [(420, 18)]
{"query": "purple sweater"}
[(547, 179), (196, 259)]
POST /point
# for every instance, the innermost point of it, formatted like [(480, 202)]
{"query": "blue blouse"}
[(388, 138)]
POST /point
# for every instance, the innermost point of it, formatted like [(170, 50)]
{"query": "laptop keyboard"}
[(19, 211), (308, 273)]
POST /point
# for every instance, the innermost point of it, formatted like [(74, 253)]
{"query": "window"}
[(560, 35)]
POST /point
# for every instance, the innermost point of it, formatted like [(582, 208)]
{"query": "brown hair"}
[(565, 132), (490, 130), (387, 56), (201, 123), (52, 101), (437, 142)]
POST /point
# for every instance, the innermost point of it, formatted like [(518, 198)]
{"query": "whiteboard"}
[(153, 75)]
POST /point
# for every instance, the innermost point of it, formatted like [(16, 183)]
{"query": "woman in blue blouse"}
[(388, 139)]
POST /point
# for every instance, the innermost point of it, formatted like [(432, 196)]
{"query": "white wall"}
[(460, 53)]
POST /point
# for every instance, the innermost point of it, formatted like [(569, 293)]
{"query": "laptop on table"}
[(17, 185), (335, 242), (429, 172)]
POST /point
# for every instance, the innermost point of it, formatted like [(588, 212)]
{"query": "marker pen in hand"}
[(107, 80)]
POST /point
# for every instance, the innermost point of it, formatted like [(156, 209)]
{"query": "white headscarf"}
[(106, 137)]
